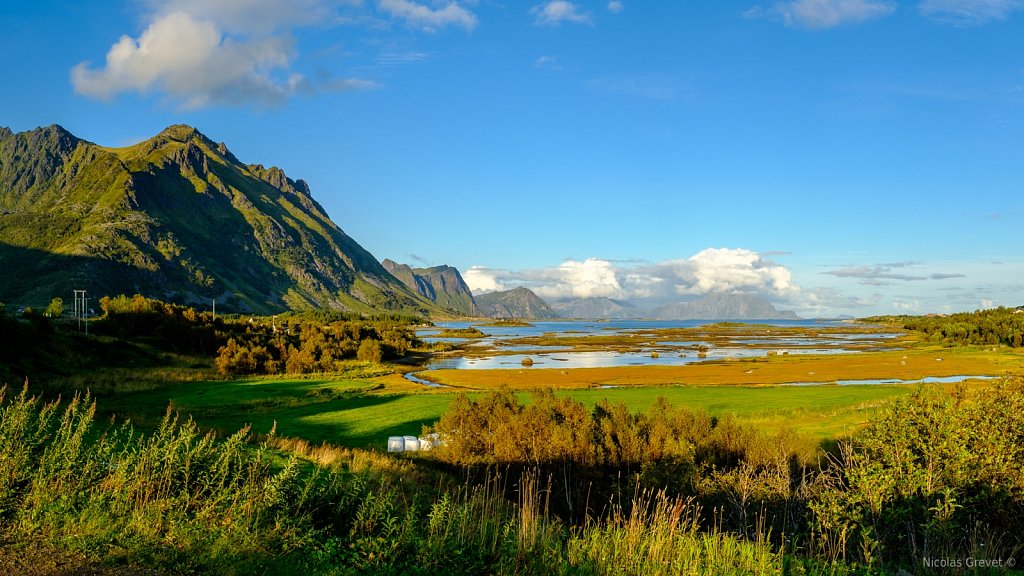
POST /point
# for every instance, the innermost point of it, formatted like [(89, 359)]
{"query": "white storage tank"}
[(396, 444), (412, 444)]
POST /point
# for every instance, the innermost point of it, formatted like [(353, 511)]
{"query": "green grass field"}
[(364, 412)]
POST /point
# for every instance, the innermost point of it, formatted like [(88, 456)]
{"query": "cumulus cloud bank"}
[(198, 53), (734, 270), (592, 278)]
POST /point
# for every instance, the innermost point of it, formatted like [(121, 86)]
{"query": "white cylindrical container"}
[(412, 444)]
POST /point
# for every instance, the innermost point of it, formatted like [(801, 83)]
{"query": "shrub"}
[(370, 351)]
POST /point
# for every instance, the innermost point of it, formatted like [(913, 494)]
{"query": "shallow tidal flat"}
[(754, 355)]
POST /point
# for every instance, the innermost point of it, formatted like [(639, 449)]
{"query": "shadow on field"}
[(321, 410)]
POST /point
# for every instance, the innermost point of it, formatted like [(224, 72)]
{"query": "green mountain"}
[(179, 218), (515, 303), (442, 285)]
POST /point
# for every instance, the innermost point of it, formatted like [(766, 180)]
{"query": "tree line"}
[(287, 344), (983, 327), (292, 343)]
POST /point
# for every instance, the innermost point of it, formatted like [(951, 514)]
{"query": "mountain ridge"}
[(442, 285), (515, 303), (597, 308), (178, 217), (723, 306)]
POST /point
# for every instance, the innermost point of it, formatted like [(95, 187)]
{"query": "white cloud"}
[(186, 55), (712, 270), (819, 301), (592, 278), (909, 306), (555, 12), (615, 6), (736, 270), (482, 279), (821, 14), (970, 12), (427, 18)]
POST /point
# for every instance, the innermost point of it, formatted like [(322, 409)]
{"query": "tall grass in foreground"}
[(175, 497), (662, 535), (181, 499)]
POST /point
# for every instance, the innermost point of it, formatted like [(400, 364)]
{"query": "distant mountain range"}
[(523, 303), (515, 303), (176, 217), (723, 307), (596, 308), (442, 285)]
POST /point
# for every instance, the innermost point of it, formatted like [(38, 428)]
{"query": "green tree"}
[(56, 307), (370, 351)]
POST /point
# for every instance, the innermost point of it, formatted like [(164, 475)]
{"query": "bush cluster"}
[(597, 455), (173, 326), (935, 475), (299, 346)]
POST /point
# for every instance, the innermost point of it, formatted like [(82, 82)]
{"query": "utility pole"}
[(215, 309), (80, 306)]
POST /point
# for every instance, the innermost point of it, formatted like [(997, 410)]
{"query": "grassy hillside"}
[(179, 218)]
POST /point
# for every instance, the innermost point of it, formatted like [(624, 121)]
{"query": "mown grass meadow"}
[(363, 412)]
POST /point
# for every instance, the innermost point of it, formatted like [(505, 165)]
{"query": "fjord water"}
[(592, 327), (670, 352)]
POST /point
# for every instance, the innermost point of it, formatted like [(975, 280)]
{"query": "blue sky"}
[(835, 156)]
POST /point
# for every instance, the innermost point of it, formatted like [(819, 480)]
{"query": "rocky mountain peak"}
[(222, 149), (278, 179), (518, 302), (180, 133), (442, 285)]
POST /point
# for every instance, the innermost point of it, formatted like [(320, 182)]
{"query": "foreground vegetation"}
[(909, 489), (690, 479)]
